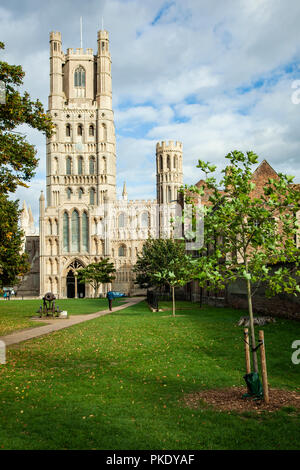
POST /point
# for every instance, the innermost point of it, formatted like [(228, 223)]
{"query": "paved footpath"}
[(58, 324)]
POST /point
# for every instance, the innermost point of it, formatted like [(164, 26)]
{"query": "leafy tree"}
[(96, 274), (17, 163), (163, 262), (13, 263), (17, 157), (247, 233)]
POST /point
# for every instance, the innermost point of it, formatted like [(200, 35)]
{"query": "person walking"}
[(110, 297)]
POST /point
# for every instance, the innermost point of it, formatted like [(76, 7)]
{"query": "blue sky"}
[(216, 75)]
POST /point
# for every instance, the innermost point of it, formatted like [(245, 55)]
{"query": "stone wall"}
[(282, 305), (30, 285)]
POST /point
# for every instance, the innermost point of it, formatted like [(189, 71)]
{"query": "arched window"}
[(122, 250), (80, 165), (55, 166), (104, 167), (92, 166), (80, 193), (79, 129), (68, 130), (79, 77), (104, 132), (121, 220), (85, 231), (92, 196), (69, 193), (49, 227), (75, 232), (69, 166), (175, 161), (161, 162), (145, 220), (66, 232), (91, 130), (55, 227)]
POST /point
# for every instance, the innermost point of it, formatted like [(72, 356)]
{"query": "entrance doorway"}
[(74, 288)]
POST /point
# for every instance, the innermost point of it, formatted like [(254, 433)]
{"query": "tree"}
[(13, 263), (17, 164), (96, 274), (17, 157), (163, 262), (246, 233)]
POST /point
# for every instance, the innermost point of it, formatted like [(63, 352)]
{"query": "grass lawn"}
[(15, 314), (117, 382)]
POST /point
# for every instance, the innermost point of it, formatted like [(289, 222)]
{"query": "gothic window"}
[(55, 169), (92, 166), (79, 130), (55, 227), (161, 164), (49, 227), (92, 196), (69, 193), (104, 167), (104, 132), (121, 220), (80, 193), (122, 250), (79, 77), (66, 247), (68, 130), (75, 232), (168, 162), (80, 165), (175, 162), (91, 130), (144, 220), (69, 166), (85, 231)]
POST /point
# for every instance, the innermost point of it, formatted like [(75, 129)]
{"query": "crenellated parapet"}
[(171, 146)]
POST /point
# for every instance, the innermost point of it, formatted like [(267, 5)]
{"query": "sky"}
[(217, 75)]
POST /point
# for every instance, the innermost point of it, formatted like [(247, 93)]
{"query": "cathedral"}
[(81, 219)]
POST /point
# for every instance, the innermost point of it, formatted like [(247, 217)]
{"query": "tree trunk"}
[(173, 301), (253, 343)]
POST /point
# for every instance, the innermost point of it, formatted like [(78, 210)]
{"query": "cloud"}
[(215, 77)]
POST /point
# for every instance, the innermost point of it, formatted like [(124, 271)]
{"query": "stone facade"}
[(81, 219)]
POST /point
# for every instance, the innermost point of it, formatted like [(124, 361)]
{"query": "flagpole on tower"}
[(81, 32)]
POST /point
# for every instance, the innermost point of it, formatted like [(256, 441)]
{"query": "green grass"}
[(117, 382), (15, 315)]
